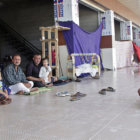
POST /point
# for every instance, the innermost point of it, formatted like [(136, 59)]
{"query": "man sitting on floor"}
[(33, 69), (14, 77)]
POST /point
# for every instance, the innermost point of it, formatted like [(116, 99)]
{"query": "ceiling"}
[(13, 3), (133, 5)]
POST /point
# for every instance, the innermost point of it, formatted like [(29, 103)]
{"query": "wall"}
[(26, 19), (124, 53), (88, 18)]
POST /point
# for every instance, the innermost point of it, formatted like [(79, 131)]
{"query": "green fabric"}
[(94, 66), (40, 90)]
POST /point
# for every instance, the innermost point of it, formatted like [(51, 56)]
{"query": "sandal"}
[(74, 98), (103, 92), (78, 94), (6, 101), (110, 89)]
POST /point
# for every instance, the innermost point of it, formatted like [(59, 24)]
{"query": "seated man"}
[(15, 79), (33, 69)]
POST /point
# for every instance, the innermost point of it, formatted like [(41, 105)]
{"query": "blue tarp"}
[(80, 41)]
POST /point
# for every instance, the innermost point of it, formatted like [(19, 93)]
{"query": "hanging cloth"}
[(80, 41)]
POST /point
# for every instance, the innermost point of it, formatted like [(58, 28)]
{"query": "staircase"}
[(14, 39)]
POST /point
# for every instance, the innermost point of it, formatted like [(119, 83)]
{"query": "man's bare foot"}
[(20, 92), (49, 85), (34, 89), (8, 100), (139, 91)]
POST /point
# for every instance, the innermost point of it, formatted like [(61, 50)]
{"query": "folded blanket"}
[(86, 68)]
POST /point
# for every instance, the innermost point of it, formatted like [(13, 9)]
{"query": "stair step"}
[(12, 38)]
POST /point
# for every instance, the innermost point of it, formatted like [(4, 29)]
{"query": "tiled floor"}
[(114, 116)]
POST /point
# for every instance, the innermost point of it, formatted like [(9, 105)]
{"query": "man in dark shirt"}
[(32, 71)]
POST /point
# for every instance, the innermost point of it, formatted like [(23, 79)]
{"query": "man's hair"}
[(36, 54), (15, 55)]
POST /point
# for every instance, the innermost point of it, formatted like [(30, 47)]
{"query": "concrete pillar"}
[(108, 23), (108, 51), (66, 10), (126, 30)]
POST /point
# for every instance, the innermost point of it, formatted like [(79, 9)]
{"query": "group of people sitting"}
[(14, 81)]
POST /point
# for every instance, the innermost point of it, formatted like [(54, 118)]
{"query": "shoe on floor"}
[(78, 94), (74, 98), (103, 92), (67, 93), (63, 94), (110, 89)]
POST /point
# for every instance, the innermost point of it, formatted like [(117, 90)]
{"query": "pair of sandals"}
[(103, 91)]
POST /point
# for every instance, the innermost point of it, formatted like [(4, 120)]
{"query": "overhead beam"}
[(120, 9)]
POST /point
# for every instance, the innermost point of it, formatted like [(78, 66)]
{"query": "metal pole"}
[(57, 14)]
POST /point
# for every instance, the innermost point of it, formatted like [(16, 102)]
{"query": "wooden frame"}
[(49, 40), (73, 70)]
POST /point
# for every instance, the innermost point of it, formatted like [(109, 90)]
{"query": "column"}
[(108, 50), (66, 10)]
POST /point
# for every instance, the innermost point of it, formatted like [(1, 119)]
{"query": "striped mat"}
[(40, 90)]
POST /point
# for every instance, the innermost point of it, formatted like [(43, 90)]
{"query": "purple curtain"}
[(80, 41)]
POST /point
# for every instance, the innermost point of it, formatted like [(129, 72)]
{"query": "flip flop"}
[(81, 94), (110, 89), (103, 92), (78, 94), (74, 98)]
